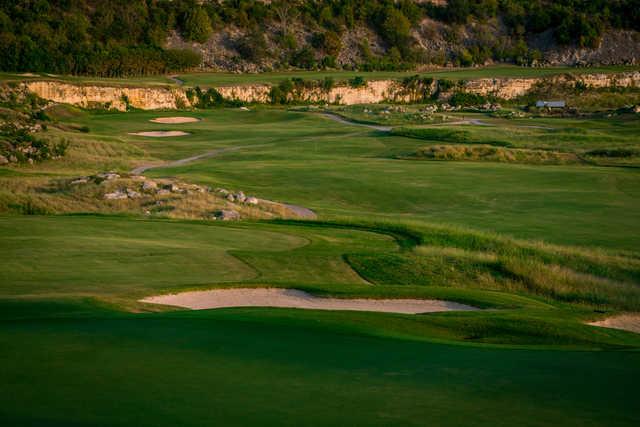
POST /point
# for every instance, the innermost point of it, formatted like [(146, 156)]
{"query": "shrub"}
[(252, 47), (466, 99), (357, 81)]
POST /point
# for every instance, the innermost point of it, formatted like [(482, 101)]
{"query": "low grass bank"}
[(492, 154)]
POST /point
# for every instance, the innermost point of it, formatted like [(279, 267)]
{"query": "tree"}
[(253, 46), (396, 28), (286, 11), (197, 26)]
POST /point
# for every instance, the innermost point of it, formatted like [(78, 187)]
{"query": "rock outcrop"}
[(372, 92), (110, 97)]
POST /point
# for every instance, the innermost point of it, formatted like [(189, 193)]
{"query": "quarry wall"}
[(375, 91)]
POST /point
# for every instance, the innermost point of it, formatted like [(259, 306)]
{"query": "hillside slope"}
[(145, 37)]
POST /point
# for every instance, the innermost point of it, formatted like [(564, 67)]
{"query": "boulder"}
[(132, 194), (149, 186), (108, 176), (116, 195), (200, 189), (231, 198), (252, 200), (227, 215), (3, 160), (240, 197), (163, 192), (81, 180), (636, 109), (13, 159)]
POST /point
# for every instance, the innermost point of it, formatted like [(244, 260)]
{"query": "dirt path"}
[(345, 121), (293, 298), (176, 80), (476, 122), (148, 166), (627, 322)]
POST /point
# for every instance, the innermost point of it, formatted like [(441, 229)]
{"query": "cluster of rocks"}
[(490, 107), (126, 193), (238, 197), (447, 107), (138, 186), (146, 186), (5, 160)]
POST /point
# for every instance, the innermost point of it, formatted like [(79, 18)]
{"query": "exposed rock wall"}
[(116, 97), (510, 88), (246, 93), (372, 92)]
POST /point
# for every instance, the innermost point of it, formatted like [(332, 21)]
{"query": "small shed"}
[(551, 104)]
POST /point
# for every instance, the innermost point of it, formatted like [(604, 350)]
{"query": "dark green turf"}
[(233, 367)]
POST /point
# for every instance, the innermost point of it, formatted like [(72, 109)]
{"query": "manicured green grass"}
[(105, 81), (73, 353), (228, 79), (341, 170), (277, 367)]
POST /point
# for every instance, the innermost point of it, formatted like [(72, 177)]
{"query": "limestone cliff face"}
[(508, 88), (144, 98), (247, 93), (153, 98)]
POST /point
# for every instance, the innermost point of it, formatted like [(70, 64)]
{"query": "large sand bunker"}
[(174, 120), (292, 298), (628, 322), (160, 133)]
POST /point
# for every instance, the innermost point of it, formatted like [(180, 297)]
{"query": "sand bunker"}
[(292, 298), (628, 322), (174, 120), (160, 133)]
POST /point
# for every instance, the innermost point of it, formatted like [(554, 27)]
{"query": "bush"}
[(329, 42), (357, 81), (304, 58), (465, 99), (252, 47), (209, 98)]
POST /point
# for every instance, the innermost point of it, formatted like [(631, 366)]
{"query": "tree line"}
[(117, 38)]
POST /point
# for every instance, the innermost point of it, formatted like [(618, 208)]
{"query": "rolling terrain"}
[(540, 235)]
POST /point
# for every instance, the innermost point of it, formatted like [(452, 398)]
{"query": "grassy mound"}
[(466, 259), (493, 154)]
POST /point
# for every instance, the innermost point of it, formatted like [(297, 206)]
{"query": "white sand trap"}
[(160, 133), (628, 322), (174, 120), (292, 298)]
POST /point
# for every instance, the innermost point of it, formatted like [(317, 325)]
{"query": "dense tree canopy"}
[(126, 37)]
